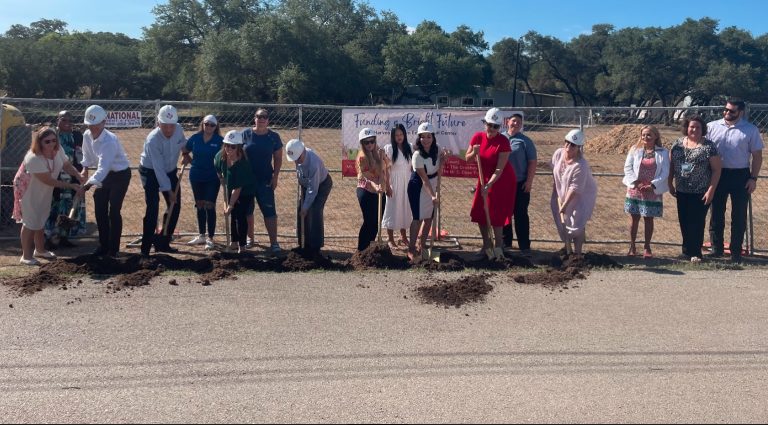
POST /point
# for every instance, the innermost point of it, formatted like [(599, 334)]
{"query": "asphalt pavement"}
[(654, 345)]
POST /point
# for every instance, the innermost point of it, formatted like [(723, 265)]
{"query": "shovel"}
[(380, 242), (226, 216), (434, 254), (174, 196), (492, 252), (568, 248), (68, 222), (302, 234)]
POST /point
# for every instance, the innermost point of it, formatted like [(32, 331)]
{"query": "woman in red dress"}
[(500, 182)]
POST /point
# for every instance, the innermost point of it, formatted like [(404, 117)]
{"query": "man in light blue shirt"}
[(157, 168), (316, 184), (523, 159), (741, 151)]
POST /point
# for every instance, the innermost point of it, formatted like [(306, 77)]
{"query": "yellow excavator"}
[(15, 137)]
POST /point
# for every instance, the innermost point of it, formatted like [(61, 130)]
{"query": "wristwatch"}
[(753, 178)]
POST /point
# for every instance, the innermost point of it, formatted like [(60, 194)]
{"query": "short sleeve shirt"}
[(239, 176), (259, 150), (202, 157), (694, 178), (419, 162)]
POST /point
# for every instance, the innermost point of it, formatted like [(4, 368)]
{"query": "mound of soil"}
[(505, 263), (299, 260), (457, 292), (566, 268), (617, 141), (29, 285), (449, 262), (377, 257)]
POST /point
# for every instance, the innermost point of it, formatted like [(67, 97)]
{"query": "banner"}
[(453, 130), (123, 119)]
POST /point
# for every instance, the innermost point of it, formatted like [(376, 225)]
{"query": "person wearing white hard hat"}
[(264, 150), (233, 167), (316, 185), (203, 146), (427, 162), (158, 167), (371, 182), (574, 191), (102, 150), (500, 182), (397, 213)]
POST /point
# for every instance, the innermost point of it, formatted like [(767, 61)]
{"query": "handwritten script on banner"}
[(453, 130)]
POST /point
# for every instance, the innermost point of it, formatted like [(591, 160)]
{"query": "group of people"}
[(54, 177), (398, 186), (710, 163)]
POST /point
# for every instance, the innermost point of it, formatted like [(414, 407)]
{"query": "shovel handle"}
[(485, 206), (172, 204)]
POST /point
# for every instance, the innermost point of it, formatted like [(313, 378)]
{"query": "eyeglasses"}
[(207, 124), (368, 141), (569, 145), (493, 126), (262, 117), (50, 141), (730, 111)]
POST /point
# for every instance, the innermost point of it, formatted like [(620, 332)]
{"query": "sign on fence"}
[(453, 130), (124, 119)]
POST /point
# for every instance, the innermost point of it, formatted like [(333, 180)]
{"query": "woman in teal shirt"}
[(234, 168)]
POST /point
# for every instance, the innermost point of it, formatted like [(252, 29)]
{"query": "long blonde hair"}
[(652, 129), (372, 158)]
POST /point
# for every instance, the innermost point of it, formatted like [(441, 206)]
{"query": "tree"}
[(433, 60)]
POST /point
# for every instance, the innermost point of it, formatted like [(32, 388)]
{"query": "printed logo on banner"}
[(124, 119)]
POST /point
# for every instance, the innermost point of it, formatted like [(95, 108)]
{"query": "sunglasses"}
[(207, 124), (730, 111), (493, 126), (368, 141), (570, 145), (50, 141), (228, 146), (262, 117)]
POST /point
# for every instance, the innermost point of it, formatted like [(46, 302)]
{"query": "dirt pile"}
[(457, 292), (377, 257), (617, 141), (566, 268)]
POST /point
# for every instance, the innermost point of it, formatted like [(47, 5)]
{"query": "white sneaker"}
[(30, 262), (249, 243), (209, 244), (199, 240), (48, 255)]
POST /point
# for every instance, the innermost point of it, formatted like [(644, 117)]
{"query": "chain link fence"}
[(610, 132)]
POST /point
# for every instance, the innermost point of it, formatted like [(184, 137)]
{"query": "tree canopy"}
[(346, 52)]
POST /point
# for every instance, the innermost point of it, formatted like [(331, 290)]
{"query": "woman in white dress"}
[(397, 213), (44, 162)]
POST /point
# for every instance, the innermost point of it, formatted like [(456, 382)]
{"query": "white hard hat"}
[(210, 119), (167, 115), (425, 127), (576, 137), (493, 116), (293, 149), (233, 137), (365, 133), (95, 114)]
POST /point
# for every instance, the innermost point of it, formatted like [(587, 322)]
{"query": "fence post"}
[(3, 141), (157, 110), (301, 120)]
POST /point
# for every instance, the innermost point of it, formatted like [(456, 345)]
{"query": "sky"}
[(563, 19)]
